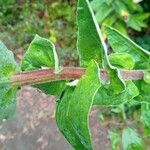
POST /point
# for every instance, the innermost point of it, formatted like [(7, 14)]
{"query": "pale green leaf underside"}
[(8, 66), (73, 109), (131, 140), (41, 53)]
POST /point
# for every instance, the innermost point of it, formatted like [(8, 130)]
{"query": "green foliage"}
[(115, 140), (7, 91), (75, 102), (147, 77), (120, 43), (42, 54), (54, 20), (73, 110), (118, 59), (144, 41), (145, 118), (120, 14), (131, 140), (89, 47), (106, 96)]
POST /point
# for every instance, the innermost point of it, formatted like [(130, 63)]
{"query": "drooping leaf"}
[(73, 109), (131, 140), (41, 53), (122, 60), (120, 43), (8, 67)]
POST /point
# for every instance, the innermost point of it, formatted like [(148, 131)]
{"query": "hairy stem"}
[(67, 73)]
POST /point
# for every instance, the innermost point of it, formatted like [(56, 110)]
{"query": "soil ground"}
[(34, 127)]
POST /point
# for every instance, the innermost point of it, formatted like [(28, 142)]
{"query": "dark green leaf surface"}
[(8, 67), (92, 46), (41, 53), (120, 43), (131, 140), (73, 109), (89, 44)]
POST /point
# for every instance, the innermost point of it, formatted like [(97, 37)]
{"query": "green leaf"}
[(52, 87), (131, 140), (106, 96), (115, 140), (147, 77), (121, 60), (73, 109), (137, 22), (96, 4), (92, 46), (41, 53), (121, 27), (88, 43), (120, 44), (8, 67), (145, 113), (104, 12), (144, 88)]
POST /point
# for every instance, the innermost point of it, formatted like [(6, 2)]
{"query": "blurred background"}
[(34, 127)]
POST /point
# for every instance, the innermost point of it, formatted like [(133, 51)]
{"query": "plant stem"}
[(67, 73)]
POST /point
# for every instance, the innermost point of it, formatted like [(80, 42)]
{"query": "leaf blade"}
[(41, 53), (72, 111)]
